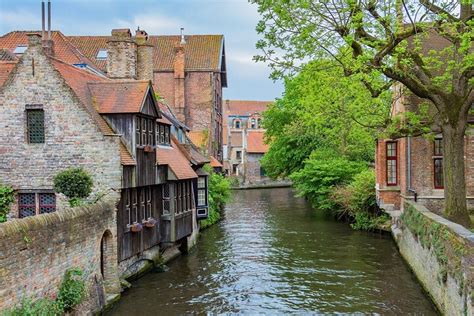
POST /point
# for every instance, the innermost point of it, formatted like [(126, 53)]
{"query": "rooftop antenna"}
[(49, 19), (42, 20), (183, 40)]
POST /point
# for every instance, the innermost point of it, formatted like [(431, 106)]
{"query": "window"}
[(252, 123), (20, 49), (259, 123), (166, 198), (237, 123), (392, 163), (102, 54), (438, 163), (238, 155), (202, 191), (35, 126), (144, 131), (163, 134), (30, 204)]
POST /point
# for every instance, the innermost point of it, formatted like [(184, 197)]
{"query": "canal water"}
[(273, 254)]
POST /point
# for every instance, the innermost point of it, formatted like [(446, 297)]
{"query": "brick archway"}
[(108, 266)]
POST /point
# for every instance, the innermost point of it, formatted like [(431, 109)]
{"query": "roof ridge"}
[(124, 81), (85, 72)]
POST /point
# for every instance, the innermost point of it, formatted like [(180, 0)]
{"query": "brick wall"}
[(36, 251), (72, 139), (252, 168)]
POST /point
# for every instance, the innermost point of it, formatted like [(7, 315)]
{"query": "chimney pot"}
[(183, 40)]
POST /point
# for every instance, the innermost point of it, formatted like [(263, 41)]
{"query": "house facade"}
[(244, 144), (411, 168), (57, 115)]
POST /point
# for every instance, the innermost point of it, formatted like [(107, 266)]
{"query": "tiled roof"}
[(203, 52), (175, 160), (245, 108), (78, 80), (255, 142), (215, 163), (118, 96), (198, 138), (5, 68), (125, 157), (63, 49), (6, 55)]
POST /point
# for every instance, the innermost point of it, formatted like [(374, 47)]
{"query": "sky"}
[(235, 19)]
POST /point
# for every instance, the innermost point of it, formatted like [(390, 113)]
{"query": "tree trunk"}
[(454, 174)]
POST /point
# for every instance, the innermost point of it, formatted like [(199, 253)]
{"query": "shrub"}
[(219, 193), (72, 289), (75, 183), (41, 307), (6, 199), (323, 171)]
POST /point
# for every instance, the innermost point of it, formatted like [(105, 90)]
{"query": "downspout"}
[(409, 188)]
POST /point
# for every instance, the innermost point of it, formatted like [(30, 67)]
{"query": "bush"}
[(6, 199), (358, 201), (72, 289), (322, 172), (75, 183), (41, 307), (219, 193)]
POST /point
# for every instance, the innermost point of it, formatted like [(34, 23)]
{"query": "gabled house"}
[(188, 71), (54, 115), (244, 144)]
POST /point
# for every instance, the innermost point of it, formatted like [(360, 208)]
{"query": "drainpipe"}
[(409, 188)]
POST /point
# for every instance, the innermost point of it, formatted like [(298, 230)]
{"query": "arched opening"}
[(107, 259), (237, 123)]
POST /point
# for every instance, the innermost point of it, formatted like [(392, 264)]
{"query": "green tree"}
[(394, 39), (75, 183), (321, 109)]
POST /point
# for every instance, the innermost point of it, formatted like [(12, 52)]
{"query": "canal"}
[(273, 254)]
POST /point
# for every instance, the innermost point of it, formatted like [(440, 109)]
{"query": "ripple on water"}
[(272, 254)]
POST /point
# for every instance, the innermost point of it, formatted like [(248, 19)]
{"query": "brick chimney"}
[(179, 76), (121, 55), (144, 56)]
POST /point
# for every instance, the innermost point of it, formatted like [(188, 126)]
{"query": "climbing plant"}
[(6, 199)]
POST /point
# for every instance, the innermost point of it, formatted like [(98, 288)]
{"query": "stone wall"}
[(36, 251), (252, 168), (72, 138), (441, 254)]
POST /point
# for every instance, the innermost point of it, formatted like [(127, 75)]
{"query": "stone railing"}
[(441, 254)]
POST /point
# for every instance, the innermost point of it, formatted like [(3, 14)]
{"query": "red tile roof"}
[(215, 163), (245, 108), (203, 52), (255, 142), (126, 157), (118, 96), (5, 68), (63, 49), (6, 55), (175, 159)]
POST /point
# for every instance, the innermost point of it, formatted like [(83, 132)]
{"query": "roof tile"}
[(255, 142), (245, 108), (118, 96), (175, 160)]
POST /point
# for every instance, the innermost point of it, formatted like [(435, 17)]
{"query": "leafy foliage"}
[(321, 173), (426, 46), (72, 289), (219, 194), (6, 199), (71, 293), (75, 183)]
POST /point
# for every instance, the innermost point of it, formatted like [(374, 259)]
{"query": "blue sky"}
[(236, 19)]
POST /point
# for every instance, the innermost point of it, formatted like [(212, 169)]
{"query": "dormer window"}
[(237, 123), (163, 136), (20, 49), (102, 54)]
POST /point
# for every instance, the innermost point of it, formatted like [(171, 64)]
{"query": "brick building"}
[(244, 139), (412, 167), (187, 71), (55, 115)]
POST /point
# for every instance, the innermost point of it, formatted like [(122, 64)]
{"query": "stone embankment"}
[(441, 255)]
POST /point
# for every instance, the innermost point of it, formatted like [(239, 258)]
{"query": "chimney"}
[(179, 76), (144, 56), (121, 55), (47, 42), (183, 40)]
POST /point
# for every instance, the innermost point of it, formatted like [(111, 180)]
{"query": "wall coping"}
[(34, 222), (455, 228)]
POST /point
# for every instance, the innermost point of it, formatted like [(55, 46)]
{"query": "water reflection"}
[(272, 253)]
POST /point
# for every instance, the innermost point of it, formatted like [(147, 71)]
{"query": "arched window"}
[(253, 123), (237, 123)]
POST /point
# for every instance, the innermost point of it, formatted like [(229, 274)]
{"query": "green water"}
[(273, 254)]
